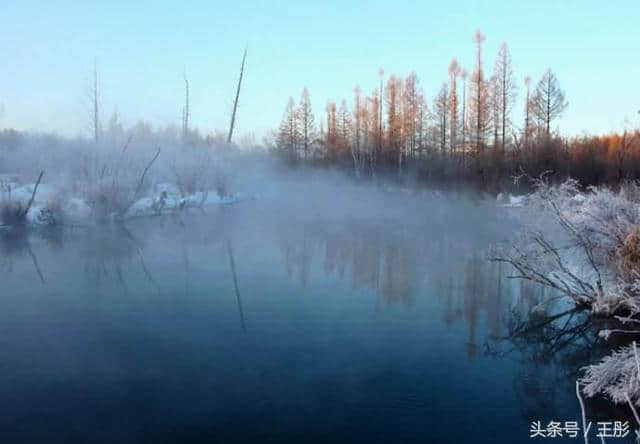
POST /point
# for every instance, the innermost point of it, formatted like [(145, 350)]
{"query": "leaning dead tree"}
[(235, 102), (33, 196)]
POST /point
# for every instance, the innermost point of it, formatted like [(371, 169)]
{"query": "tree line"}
[(465, 134)]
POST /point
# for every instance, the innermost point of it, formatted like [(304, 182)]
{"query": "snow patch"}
[(76, 209)]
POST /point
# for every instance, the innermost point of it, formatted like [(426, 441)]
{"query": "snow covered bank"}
[(52, 205)]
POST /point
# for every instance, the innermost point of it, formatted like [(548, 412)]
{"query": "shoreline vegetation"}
[(585, 246)]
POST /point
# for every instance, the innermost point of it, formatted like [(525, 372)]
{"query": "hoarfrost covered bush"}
[(105, 176), (572, 242), (586, 245), (616, 376)]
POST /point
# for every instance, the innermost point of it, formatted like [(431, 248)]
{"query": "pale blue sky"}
[(142, 47)]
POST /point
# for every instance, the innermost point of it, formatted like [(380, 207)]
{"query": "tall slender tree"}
[(463, 76), (357, 119), (394, 118), (409, 114), (306, 122), (454, 72), (527, 112), (332, 131), (422, 122), (441, 107), (186, 112), (504, 92), (494, 99), (374, 127), (289, 133), (344, 127), (548, 101), (95, 104), (359, 131), (480, 110)]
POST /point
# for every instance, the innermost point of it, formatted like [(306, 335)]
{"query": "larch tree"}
[(479, 99), (548, 101), (441, 107), (366, 126), (494, 99), (409, 113), (463, 76), (504, 93), (393, 94), (359, 132), (306, 122), (422, 122), (289, 133), (375, 130), (344, 127), (454, 72), (527, 111), (332, 132), (357, 119)]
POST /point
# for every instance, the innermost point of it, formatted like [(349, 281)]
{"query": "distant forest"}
[(466, 135)]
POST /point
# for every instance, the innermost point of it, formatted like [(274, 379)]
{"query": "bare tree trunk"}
[(33, 195), (235, 102)]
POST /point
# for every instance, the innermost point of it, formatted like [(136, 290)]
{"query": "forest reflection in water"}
[(427, 279)]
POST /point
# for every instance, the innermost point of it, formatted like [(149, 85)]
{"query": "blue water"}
[(341, 329)]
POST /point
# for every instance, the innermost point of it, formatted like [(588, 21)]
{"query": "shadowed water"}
[(254, 323)]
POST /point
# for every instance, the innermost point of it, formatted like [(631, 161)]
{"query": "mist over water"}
[(325, 312)]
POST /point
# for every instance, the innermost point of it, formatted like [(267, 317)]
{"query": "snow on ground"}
[(509, 200), (165, 201), (52, 206)]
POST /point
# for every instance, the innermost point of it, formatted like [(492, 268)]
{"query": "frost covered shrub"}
[(586, 245), (615, 377), (581, 244)]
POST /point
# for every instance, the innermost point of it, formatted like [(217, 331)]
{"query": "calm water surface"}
[(254, 323)]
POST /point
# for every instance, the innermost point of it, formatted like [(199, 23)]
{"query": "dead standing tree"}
[(235, 102), (186, 112), (95, 104)]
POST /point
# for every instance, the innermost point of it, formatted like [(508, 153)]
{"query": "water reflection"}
[(256, 321)]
